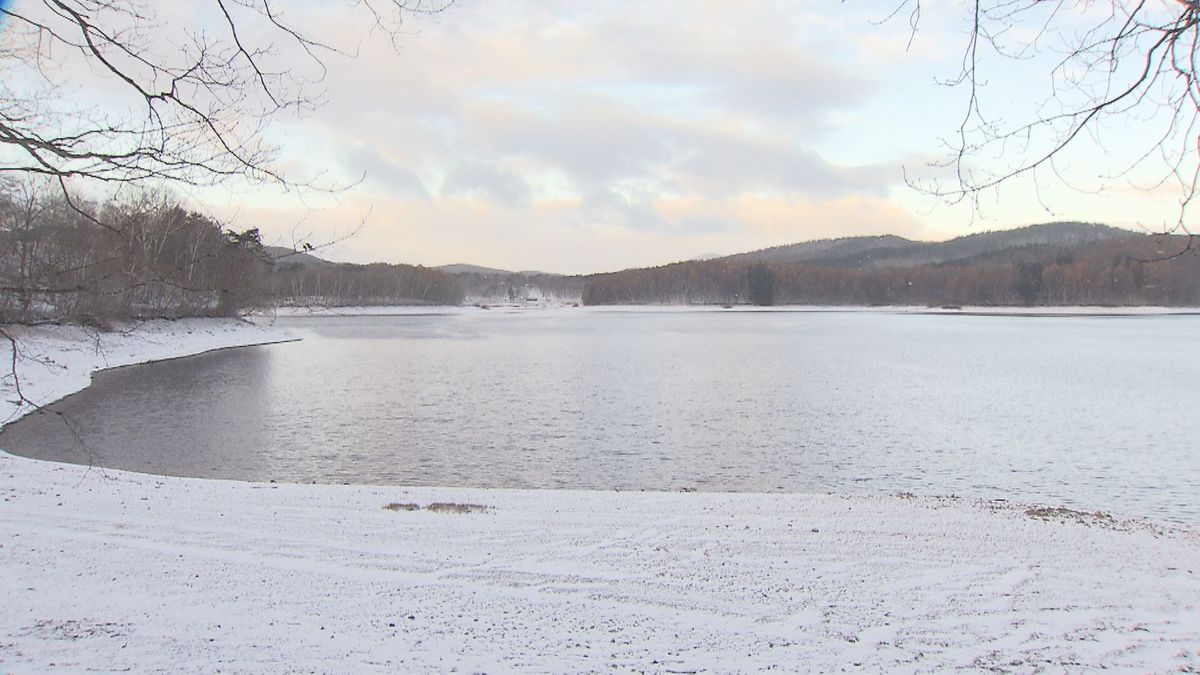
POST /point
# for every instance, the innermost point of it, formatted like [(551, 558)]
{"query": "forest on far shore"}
[(1053, 264), (63, 258), (1135, 270), (66, 259)]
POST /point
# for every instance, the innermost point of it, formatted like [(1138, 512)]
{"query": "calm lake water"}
[(1090, 412)]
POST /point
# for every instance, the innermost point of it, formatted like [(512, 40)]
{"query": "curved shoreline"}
[(56, 361), (118, 570)]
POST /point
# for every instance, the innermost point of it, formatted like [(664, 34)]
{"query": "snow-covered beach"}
[(112, 570)]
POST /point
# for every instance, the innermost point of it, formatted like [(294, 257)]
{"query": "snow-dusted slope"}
[(119, 571)]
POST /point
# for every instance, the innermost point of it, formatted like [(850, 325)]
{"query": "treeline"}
[(363, 285), (65, 258), (1136, 270), (520, 287)]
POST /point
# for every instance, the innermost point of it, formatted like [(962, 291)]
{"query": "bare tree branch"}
[(196, 98), (1123, 60)]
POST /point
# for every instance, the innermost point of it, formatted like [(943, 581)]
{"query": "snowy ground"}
[(119, 571)]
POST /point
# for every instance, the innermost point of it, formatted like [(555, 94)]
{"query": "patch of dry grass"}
[(453, 507), (1063, 513), (438, 507)]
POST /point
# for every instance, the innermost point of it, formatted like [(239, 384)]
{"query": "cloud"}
[(575, 136), (596, 100), (630, 210), (490, 181), (382, 173), (549, 134)]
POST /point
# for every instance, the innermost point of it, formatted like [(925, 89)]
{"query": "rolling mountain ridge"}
[(1061, 263), (894, 251)]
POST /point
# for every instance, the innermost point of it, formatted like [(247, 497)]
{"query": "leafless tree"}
[(178, 100), (1114, 66), (183, 102)]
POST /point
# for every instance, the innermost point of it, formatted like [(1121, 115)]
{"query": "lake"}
[(1088, 412)]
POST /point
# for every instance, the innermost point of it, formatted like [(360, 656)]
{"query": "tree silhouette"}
[(182, 103), (1112, 65), (761, 280)]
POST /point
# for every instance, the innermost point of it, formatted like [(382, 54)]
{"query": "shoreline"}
[(1064, 311), (112, 569), (54, 361)]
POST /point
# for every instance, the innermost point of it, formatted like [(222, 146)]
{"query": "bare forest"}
[(1125, 270), (345, 284), (145, 256), (65, 259)]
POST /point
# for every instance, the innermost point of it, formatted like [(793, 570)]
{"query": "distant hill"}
[(463, 268), (825, 250), (286, 256), (893, 251), (1065, 263)]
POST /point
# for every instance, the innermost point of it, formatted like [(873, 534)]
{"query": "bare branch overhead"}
[(182, 103), (1111, 66)]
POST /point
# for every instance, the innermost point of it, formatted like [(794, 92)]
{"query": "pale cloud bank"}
[(551, 135)]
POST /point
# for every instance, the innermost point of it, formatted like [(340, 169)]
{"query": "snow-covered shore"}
[(56, 361), (115, 571)]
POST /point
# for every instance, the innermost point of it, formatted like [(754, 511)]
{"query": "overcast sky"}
[(579, 137)]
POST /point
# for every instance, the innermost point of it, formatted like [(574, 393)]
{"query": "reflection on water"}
[(1090, 412)]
